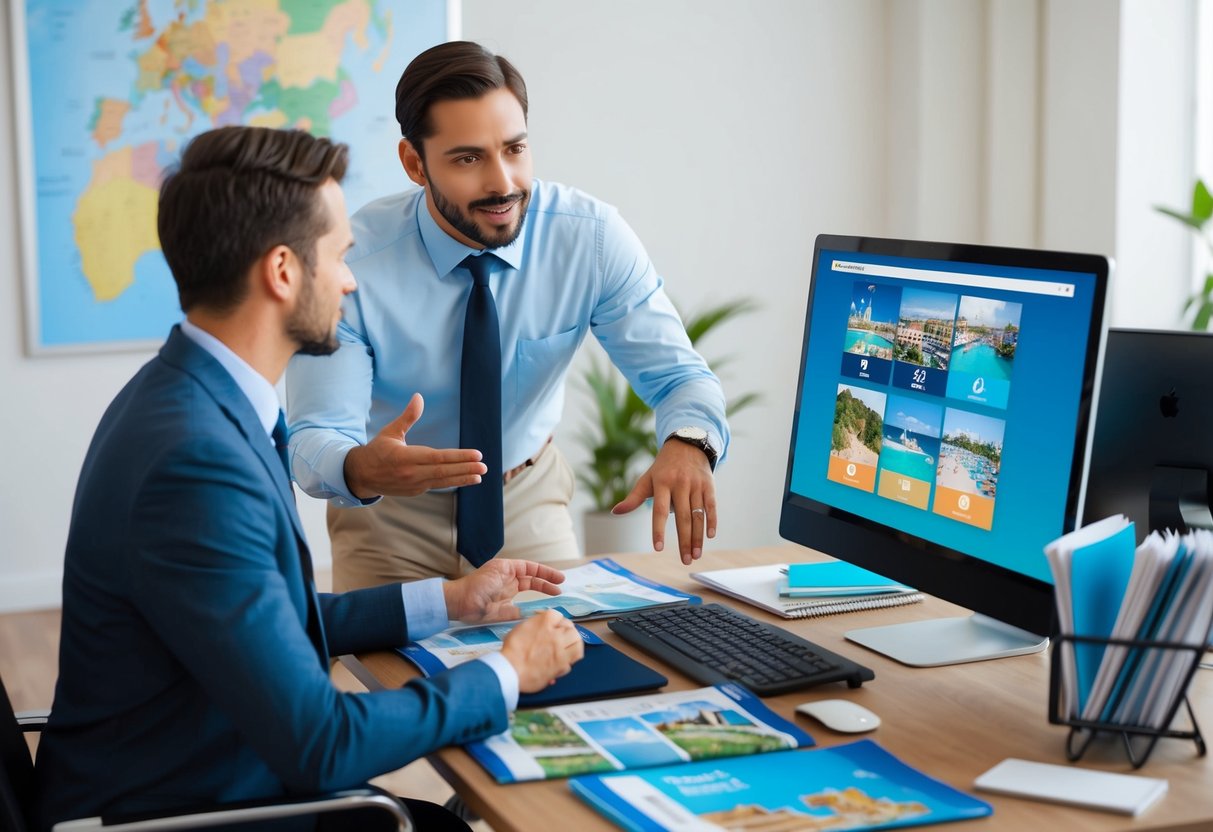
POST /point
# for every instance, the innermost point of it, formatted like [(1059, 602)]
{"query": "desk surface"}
[(951, 722)]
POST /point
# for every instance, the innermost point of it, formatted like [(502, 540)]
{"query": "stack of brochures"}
[(804, 590), (1160, 592)]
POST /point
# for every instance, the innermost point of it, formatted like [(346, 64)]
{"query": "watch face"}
[(694, 434)]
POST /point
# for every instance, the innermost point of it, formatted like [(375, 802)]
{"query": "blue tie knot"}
[(480, 265)]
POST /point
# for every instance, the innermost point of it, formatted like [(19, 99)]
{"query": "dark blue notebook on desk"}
[(603, 672)]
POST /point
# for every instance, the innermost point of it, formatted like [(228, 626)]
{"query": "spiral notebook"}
[(759, 585)]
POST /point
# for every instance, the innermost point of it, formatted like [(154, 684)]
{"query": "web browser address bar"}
[(1008, 284)]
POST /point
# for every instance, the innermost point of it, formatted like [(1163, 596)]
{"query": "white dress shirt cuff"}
[(507, 676), (424, 608)]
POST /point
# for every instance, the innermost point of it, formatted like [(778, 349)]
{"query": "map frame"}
[(26, 197)]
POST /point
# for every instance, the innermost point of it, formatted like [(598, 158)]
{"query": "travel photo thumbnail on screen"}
[(924, 328), (910, 438), (986, 337), (856, 436), (872, 322), (971, 455)]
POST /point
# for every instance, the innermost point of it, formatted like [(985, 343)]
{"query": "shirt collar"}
[(255, 387), (446, 252)]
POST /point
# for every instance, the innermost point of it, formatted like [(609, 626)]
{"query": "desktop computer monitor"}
[(1152, 456), (941, 429)]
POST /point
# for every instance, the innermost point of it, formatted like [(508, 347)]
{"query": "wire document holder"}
[(1139, 740)]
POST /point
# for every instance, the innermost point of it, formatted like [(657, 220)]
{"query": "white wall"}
[(730, 135)]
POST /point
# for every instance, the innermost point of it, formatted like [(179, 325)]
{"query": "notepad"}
[(758, 585), (1126, 794)]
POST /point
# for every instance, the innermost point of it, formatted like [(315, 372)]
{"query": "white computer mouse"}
[(841, 715)]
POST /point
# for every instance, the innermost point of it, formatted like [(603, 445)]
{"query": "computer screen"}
[(942, 417), (1152, 456)]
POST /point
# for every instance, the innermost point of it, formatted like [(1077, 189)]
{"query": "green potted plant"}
[(621, 443), (1200, 304)]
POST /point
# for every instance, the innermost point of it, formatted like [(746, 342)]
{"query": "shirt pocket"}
[(542, 363)]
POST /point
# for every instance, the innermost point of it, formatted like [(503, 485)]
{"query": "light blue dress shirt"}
[(576, 267), (425, 610)]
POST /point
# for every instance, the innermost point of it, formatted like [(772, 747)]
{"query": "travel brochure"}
[(1158, 592), (915, 424), (853, 786), (635, 732), (603, 589)]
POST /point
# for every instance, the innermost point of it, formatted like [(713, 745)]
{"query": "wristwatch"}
[(697, 437)]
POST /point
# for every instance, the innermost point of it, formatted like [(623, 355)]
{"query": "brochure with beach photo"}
[(636, 732), (853, 786), (603, 589)]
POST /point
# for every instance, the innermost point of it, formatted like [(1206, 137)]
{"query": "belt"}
[(518, 469)]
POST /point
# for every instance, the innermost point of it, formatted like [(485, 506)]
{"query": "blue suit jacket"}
[(193, 665)]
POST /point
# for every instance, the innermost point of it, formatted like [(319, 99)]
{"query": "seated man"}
[(195, 650)]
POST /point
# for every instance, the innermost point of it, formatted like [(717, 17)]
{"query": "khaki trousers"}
[(406, 538)]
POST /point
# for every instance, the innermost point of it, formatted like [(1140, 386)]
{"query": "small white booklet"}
[(1126, 794)]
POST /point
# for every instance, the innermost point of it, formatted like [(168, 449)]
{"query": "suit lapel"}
[(181, 352)]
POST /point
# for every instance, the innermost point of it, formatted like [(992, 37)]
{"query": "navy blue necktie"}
[(281, 443), (480, 517)]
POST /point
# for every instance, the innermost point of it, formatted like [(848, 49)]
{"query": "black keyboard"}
[(713, 644)]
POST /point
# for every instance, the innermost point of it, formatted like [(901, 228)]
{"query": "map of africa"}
[(116, 88)]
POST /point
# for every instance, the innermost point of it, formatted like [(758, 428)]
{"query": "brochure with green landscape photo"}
[(637, 732)]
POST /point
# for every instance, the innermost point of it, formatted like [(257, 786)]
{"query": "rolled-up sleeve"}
[(642, 332)]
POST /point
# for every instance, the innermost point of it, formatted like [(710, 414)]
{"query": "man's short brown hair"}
[(448, 72), (237, 193)]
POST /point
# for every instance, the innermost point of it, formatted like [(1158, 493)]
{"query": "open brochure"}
[(639, 731), (854, 786), (603, 589)]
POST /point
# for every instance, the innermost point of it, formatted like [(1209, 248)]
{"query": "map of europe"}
[(117, 87)]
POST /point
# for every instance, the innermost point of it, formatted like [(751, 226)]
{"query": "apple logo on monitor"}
[(1169, 404)]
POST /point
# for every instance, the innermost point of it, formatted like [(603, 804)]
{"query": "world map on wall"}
[(117, 87)]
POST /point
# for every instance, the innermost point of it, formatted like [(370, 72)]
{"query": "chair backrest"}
[(16, 771)]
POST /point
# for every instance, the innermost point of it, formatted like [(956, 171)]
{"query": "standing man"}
[(194, 659), (476, 290)]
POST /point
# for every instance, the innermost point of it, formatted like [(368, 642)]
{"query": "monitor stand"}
[(940, 641), (1179, 498)]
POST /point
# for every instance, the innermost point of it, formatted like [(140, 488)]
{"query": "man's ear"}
[(279, 272), (410, 159)]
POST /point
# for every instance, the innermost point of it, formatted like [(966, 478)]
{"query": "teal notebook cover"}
[(837, 575)]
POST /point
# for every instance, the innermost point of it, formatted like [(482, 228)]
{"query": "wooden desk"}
[(951, 722)]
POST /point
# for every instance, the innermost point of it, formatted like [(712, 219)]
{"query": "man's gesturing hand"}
[(488, 593), (389, 466)]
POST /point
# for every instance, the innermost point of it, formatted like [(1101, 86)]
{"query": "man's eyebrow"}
[(459, 150)]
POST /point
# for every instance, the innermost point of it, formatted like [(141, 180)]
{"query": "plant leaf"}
[(1202, 201), (1187, 219), (1201, 322)]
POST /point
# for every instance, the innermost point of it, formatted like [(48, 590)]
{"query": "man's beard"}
[(465, 225), (307, 326)]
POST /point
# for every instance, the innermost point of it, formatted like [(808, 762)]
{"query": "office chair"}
[(17, 794)]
